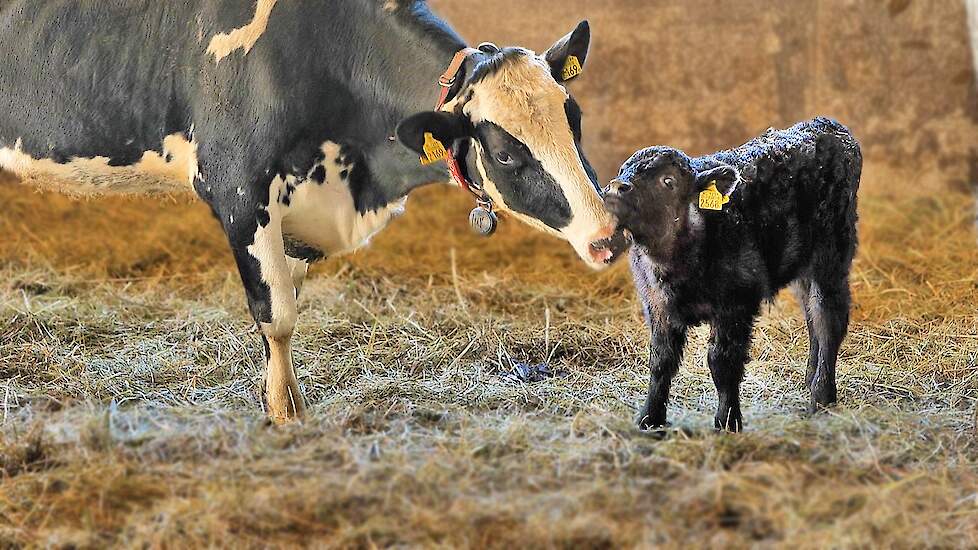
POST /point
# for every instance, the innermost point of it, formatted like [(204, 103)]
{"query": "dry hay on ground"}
[(130, 378)]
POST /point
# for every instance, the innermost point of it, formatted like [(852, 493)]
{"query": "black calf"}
[(717, 235)]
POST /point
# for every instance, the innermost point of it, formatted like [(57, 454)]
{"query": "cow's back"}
[(96, 94)]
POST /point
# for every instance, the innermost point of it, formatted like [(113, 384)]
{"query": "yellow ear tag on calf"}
[(434, 150), (572, 67), (712, 199)]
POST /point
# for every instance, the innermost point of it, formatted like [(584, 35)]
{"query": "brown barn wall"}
[(708, 74)]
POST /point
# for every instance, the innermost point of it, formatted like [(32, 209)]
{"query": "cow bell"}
[(483, 220)]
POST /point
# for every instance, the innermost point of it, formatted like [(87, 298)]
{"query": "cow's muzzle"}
[(608, 249)]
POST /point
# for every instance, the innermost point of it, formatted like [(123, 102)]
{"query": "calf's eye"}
[(668, 182), (504, 158)]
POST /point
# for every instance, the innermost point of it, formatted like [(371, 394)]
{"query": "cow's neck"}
[(400, 78)]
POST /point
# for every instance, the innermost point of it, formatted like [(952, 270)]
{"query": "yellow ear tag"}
[(572, 68), (434, 150), (712, 199)]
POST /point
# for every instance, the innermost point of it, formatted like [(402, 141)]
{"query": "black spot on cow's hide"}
[(263, 217), (294, 248), (525, 184), (319, 174)]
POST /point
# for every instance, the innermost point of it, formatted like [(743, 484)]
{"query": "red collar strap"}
[(447, 81)]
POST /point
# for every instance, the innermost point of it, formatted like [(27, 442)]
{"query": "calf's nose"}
[(617, 187)]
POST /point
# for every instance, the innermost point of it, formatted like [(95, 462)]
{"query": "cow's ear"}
[(566, 57), (444, 127), (725, 177)]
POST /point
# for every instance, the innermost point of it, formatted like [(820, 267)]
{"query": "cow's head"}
[(518, 134)]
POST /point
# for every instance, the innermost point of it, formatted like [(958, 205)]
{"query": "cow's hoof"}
[(729, 421), (285, 405), (659, 432), (284, 419)]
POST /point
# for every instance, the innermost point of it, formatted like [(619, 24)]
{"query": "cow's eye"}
[(504, 158), (668, 182)]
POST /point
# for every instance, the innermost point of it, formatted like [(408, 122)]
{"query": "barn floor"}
[(129, 381)]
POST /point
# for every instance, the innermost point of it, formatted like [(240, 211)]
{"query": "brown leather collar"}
[(447, 80)]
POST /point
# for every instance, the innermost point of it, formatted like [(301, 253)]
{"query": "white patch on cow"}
[(244, 38), (169, 172), (268, 249), (298, 269), (325, 217), (523, 98)]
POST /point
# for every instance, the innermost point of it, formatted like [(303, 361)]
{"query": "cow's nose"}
[(618, 187)]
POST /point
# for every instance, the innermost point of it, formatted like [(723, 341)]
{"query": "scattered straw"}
[(131, 396)]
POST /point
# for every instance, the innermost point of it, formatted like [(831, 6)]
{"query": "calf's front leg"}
[(665, 353)]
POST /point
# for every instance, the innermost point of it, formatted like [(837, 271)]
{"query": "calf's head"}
[(655, 190), (517, 132)]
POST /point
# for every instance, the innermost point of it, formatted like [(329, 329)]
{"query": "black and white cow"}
[(282, 116)]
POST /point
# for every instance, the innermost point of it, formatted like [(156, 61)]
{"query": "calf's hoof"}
[(652, 420), (729, 420), (656, 431), (822, 398), (815, 407)]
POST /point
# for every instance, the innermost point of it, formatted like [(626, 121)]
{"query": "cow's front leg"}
[(253, 225), (271, 288)]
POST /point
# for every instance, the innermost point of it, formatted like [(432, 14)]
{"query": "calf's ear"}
[(566, 57), (724, 177), (442, 126)]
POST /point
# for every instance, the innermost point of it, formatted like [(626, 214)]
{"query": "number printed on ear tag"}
[(434, 150), (712, 199), (572, 67)]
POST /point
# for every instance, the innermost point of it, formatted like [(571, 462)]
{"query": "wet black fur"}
[(791, 220)]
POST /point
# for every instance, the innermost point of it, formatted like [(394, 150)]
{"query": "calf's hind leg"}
[(829, 302), (729, 348), (803, 290)]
